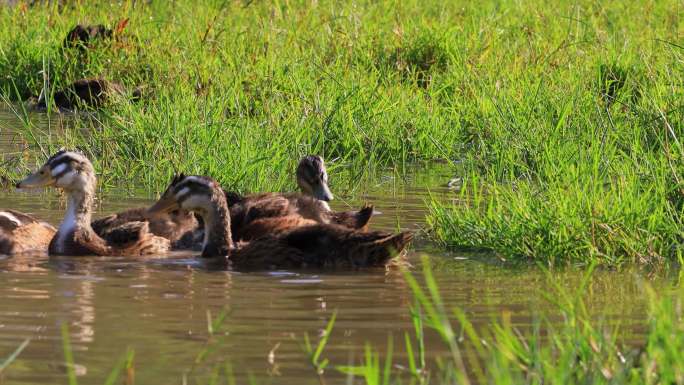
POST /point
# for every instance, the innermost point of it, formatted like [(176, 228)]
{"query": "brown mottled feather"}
[(320, 246), (271, 226), (353, 219), (29, 234), (135, 238), (177, 226), (244, 210), (129, 239)]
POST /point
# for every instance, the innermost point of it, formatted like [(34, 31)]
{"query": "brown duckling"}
[(82, 35), (20, 233), (74, 173), (88, 92), (314, 245), (312, 178)]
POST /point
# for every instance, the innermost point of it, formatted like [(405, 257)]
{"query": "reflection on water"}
[(159, 307)]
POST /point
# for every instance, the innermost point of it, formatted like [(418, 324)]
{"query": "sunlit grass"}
[(239, 91)]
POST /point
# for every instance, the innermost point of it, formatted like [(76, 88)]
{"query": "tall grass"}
[(572, 129), (239, 90)]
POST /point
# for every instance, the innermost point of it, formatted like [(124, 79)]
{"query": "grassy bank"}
[(572, 136), (564, 120), (241, 90)]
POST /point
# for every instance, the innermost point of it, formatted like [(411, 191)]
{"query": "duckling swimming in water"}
[(310, 245), (311, 204), (74, 173)]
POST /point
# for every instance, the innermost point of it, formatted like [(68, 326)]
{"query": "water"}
[(159, 308)]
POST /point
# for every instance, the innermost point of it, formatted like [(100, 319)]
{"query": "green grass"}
[(7, 361), (564, 120), (240, 91), (576, 348)]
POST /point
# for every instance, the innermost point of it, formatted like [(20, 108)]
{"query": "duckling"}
[(82, 35), (74, 173), (312, 245), (312, 178), (21, 233), (91, 92)]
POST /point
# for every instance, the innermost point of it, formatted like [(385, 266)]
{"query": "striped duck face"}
[(312, 178), (69, 170), (192, 193)]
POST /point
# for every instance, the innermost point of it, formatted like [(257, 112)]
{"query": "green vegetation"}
[(564, 119), (13, 356), (241, 90)]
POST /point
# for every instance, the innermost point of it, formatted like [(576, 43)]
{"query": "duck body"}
[(74, 173), (308, 244), (92, 92), (82, 35), (251, 215), (20, 233), (320, 246), (180, 227), (248, 213), (129, 239), (87, 92)]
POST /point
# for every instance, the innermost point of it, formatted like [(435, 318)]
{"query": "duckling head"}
[(312, 178), (69, 170), (192, 193)]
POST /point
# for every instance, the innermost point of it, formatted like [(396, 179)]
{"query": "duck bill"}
[(163, 205), (322, 192), (40, 178)]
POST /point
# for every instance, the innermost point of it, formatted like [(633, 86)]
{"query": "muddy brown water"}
[(159, 307)]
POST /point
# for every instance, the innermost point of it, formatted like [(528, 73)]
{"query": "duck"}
[(311, 203), (309, 245), (81, 36), (21, 233), (73, 172), (87, 92)]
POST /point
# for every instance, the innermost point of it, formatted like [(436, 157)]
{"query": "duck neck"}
[(217, 237), (78, 214)]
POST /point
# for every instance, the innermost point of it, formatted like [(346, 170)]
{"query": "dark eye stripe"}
[(56, 162), (195, 187), (56, 155)]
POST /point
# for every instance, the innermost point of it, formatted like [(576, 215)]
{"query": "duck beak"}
[(40, 178), (163, 205), (322, 192)]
